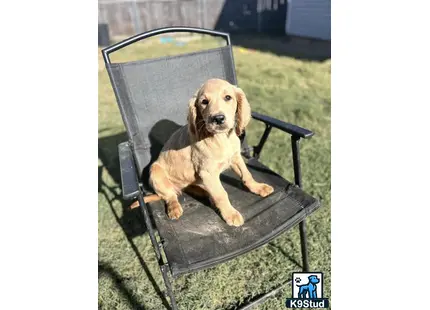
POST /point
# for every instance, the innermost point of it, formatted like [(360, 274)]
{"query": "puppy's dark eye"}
[(205, 102), (227, 98)]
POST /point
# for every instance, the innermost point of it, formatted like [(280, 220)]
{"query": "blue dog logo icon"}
[(309, 290)]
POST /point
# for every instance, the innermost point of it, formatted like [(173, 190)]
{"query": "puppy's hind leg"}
[(166, 190)]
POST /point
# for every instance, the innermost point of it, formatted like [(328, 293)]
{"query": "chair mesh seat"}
[(201, 239)]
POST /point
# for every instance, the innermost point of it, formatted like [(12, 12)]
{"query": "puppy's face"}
[(217, 103)]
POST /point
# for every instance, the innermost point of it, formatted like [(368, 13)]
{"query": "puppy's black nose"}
[(218, 119)]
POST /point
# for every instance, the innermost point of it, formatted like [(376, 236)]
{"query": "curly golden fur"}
[(196, 154)]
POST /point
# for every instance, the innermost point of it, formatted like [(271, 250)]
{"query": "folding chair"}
[(152, 96)]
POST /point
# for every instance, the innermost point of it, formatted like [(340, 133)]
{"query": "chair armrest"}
[(129, 176), (286, 127)]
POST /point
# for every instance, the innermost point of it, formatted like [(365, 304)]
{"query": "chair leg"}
[(168, 287), (304, 245), (295, 147), (156, 246)]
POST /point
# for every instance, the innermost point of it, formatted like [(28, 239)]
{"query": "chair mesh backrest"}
[(153, 95)]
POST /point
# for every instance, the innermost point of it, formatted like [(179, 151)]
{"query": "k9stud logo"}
[(307, 291)]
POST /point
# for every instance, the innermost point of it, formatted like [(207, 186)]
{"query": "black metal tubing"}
[(163, 266), (286, 127), (296, 133), (259, 147), (127, 162), (158, 31), (259, 300), (304, 245), (148, 224), (295, 147), (270, 122), (168, 285)]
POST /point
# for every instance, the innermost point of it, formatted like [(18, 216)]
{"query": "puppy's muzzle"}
[(218, 119)]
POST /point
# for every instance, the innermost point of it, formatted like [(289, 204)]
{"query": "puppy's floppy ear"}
[(243, 113), (193, 116)]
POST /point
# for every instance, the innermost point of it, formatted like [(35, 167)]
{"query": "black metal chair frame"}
[(131, 187)]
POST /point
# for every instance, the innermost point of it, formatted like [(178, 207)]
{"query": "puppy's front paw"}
[(233, 217), (262, 189), (174, 210)]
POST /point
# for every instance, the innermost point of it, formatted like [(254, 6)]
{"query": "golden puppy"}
[(197, 153)]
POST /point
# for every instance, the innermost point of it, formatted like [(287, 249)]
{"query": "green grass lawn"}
[(292, 90)]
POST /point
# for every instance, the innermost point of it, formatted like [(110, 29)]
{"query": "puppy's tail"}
[(146, 199)]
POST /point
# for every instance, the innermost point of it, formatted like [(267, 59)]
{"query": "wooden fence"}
[(128, 17)]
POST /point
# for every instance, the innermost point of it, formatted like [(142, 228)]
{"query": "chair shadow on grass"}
[(105, 270), (130, 225), (131, 221)]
